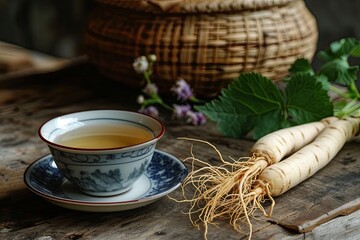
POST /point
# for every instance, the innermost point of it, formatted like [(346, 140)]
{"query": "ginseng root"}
[(227, 191), (311, 158)]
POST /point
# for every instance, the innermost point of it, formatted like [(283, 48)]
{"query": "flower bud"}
[(150, 89), (140, 99), (152, 58), (151, 111)]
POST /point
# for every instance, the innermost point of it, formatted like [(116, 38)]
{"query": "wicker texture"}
[(206, 48), (194, 6)]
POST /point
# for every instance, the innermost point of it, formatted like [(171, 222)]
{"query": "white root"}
[(279, 144), (233, 190), (308, 160)]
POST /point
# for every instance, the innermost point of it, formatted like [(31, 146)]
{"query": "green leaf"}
[(243, 103), (301, 65), (254, 94), (254, 104), (306, 100), (324, 81), (229, 119), (268, 123), (356, 51), (336, 67), (343, 47), (339, 71)]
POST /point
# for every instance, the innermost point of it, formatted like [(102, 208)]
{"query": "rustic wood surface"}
[(26, 102)]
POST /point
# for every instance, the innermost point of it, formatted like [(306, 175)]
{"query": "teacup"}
[(103, 152)]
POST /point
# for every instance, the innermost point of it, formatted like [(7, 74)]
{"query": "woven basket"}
[(206, 42)]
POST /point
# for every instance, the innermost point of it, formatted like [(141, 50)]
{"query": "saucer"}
[(164, 174)]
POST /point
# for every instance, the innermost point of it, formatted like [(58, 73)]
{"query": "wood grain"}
[(27, 102)]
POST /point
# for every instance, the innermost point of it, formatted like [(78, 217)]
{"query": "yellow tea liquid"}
[(99, 136)]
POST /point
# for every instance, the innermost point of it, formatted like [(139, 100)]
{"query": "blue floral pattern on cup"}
[(82, 170), (112, 180)]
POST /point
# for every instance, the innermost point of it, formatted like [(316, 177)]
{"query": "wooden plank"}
[(343, 227), (332, 192), (23, 215), (17, 62)]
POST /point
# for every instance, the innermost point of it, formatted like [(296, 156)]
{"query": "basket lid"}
[(194, 6)]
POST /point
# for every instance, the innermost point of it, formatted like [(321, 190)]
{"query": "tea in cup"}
[(102, 152)]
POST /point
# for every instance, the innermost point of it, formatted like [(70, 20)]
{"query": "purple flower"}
[(182, 90), (150, 89), (151, 111), (181, 111), (196, 118)]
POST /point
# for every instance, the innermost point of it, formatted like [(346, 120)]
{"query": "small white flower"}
[(140, 99), (141, 64)]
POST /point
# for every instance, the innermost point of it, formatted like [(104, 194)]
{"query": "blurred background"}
[(57, 27), (52, 27)]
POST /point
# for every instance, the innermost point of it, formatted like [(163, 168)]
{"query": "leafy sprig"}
[(336, 68), (253, 105), (336, 71)]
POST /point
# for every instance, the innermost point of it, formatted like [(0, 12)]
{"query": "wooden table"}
[(27, 101)]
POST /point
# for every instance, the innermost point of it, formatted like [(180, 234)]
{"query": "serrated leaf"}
[(254, 94), (235, 126), (341, 48), (267, 123), (301, 65), (242, 103), (324, 81), (253, 103), (228, 118), (336, 67), (339, 71), (306, 100)]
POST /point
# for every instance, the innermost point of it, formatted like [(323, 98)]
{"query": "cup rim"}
[(56, 145)]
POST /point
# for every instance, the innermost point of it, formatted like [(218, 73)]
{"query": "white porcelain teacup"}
[(103, 152)]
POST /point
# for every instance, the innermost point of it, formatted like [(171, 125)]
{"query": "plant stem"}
[(147, 77), (156, 100), (338, 92), (353, 89), (352, 108), (162, 103)]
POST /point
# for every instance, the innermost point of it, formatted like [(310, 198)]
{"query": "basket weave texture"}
[(206, 42)]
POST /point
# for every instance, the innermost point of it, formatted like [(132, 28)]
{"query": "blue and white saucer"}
[(164, 174)]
